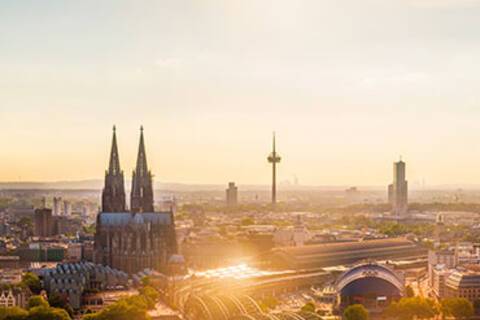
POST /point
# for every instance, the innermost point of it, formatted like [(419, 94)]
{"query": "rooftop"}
[(344, 246), (127, 218)]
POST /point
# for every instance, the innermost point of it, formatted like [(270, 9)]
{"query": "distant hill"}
[(97, 184), (84, 184)]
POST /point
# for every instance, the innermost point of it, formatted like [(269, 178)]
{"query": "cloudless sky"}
[(348, 86)]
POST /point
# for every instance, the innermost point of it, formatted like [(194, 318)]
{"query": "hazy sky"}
[(348, 85)]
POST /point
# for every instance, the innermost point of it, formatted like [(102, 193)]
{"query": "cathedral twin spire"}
[(113, 196), (114, 166), (142, 190)]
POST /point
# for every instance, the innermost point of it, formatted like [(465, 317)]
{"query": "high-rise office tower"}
[(398, 190), (67, 208), (274, 158), (43, 223), (56, 206), (85, 212), (232, 194), (439, 229)]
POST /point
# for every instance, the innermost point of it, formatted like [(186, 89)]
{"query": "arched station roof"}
[(370, 274), (230, 307)]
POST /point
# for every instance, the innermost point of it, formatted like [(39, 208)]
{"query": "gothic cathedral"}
[(140, 238)]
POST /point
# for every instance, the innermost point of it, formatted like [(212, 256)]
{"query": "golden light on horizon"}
[(210, 82)]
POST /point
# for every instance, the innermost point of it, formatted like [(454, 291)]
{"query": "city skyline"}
[(418, 180), (232, 159), (289, 180), (210, 82)]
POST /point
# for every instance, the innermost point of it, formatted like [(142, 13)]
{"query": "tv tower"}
[(274, 158)]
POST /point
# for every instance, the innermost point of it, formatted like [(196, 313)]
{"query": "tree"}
[(308, 307), (32, 281), (146, 281), (47, 313), (409, 292), (57, 301), (459, 308), (476, 305), (138, 301), (37, 301), (125, 309), (150, 295), (90, 229), (356, 312), (248, 221), (13, 313), (322, 312), (411, 308), (268, 303), (26, 223)]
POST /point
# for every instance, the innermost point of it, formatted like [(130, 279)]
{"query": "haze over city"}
[(239, 160), (348, 87)]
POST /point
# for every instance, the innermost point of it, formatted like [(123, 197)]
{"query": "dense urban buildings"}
[(463, 283), (439, 261), (398, 190), (454, 271), (287, 254), (47, 225), (14, 297), (137, 239), (292, 236)]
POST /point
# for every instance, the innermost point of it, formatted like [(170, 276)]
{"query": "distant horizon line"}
[(162, 185)]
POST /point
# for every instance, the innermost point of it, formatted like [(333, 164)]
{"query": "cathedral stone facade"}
[(141, 238)]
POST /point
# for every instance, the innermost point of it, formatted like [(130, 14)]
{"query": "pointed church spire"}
[(141, 167), (114, 166), (142, 188), (113, 195)]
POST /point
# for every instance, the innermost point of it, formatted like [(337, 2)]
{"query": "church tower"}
[(113, 195), (142, 189)]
